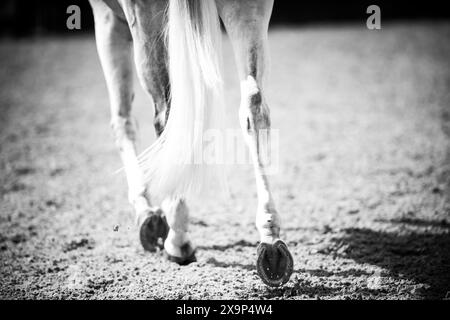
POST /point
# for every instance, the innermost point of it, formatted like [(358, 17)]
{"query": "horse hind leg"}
[(146, 23), (114, 46), (246, 23)]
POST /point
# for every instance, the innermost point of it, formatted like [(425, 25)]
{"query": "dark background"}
[(31, 17)]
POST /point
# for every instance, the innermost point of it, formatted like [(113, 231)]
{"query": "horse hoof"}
[(187, 255), (153, 227), (274, 263)]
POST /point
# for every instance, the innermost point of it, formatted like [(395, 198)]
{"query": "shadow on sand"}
[(421, 257)]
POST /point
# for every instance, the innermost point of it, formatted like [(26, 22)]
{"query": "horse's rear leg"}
[(114, 45), (247, 23), (146, 23)]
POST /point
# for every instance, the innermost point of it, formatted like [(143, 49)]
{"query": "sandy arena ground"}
[(363, 185)]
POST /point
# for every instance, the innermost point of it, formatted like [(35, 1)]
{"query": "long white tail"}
[(174, 164)]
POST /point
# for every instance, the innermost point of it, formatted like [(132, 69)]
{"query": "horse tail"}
[(173, 165)]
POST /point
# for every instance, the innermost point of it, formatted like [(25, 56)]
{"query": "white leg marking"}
[(267, 218), (177, 214)]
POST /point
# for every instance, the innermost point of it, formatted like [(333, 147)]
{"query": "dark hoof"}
[(188, 254), (153, 230), (274, 263)]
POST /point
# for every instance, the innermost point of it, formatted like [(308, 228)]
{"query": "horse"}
[(175, 45)]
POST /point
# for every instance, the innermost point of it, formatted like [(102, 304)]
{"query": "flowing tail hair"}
[(173, 165)]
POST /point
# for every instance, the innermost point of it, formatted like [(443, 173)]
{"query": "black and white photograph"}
[(235, 150)]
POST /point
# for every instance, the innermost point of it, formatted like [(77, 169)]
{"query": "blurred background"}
[(27, 17), (363, 186)]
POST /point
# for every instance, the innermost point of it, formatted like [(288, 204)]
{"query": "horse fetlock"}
[(268, 225), (137, 194), (140, 204)]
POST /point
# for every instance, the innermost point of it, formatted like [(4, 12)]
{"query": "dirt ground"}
[(363, 185)]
